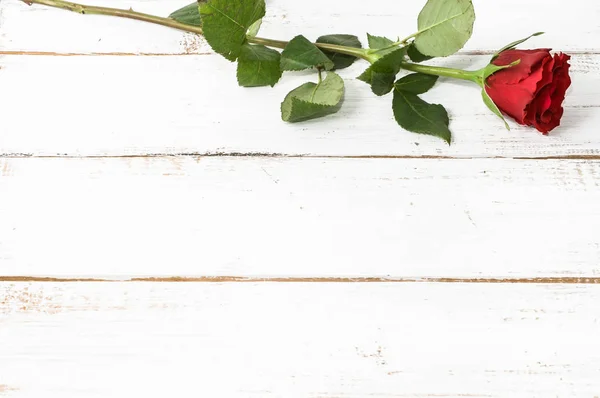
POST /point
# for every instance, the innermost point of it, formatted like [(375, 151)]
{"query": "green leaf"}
[(258, 66), (444, 27), (382, 83), (493, 107), (514, 44), (311, 101), (340, 61), (254, 28), (225, 23), (382, 73), (380, 46), (416, 83), (301, 54), (415, 55), (377, 42), (189, 14), (414, 114)]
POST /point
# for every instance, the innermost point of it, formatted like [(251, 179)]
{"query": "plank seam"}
[(310, 279), (284, 156), (178, 54), (98, 54)]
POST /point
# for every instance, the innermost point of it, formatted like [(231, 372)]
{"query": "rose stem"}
[(444, 72), (130, 14), (115, 12)]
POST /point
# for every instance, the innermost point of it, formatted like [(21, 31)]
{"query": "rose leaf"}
[(444, 27), (382, 73), (414, 114), (226, 22), (340, 61), (415, 55), (314, 100), (258, 66), (416, 83), (301, 54), (189, 14)]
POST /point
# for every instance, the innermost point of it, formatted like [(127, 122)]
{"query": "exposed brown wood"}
[(6, 389), (309, 279), (280, 155), (98, 54), (188, 52)]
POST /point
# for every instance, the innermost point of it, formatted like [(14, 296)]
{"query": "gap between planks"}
[(310, 279), (284, 156), (178, 54)]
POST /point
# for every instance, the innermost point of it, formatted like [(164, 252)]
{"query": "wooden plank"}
[(299, 217), (20, 25), (298, 340), (96, 106)]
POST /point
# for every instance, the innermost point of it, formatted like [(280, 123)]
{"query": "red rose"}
[(531, 92)]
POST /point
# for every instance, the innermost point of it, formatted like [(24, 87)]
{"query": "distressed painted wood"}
[(298, 340), (484, 255), (95, 106), (573, 27), (197, 216)]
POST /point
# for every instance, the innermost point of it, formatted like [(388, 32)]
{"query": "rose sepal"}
[(487, 100), (483, 74), (490, 69), (514, 44)]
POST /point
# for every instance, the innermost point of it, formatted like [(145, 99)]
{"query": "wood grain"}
[(299, 340), (572, 28), (565, 280), (114, 106), (114, 218), (343, 258)]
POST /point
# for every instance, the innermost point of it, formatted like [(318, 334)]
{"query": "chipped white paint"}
[(120, 217), (298, 340), (115, 105), (464, 215), (573, 28)]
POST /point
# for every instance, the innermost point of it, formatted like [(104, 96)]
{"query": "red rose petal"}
[(539, 114), (529, 60), (533, 91), (547, 72), (561, 82), (514, 89), (511, 99)]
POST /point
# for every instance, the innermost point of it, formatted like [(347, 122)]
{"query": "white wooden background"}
[(153, 245)]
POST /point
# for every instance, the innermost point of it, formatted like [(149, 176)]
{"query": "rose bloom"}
[(531, 92)]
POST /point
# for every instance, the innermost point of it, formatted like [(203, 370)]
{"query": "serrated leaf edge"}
[(418, 131), (329, 65), (433, 78)]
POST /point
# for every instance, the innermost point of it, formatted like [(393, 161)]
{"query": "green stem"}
[(355, 52), (268, 42), (400, 43), (473, 76), (407, 38), (314, 92), (130, 14), (116, 12)]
